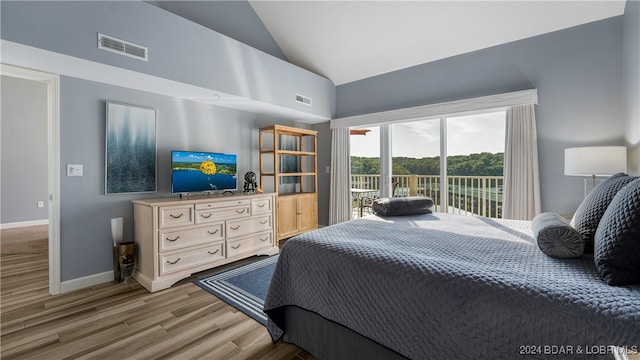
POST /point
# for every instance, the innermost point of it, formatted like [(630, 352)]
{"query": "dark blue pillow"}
[(411, 205), (590, 211), (617, 239)]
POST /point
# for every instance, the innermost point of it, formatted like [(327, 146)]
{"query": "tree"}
[(480, 164)]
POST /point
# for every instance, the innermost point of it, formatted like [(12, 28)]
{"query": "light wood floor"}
[(123, 321)]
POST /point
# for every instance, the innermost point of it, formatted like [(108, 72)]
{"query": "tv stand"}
[(178, 237), (228, 191)]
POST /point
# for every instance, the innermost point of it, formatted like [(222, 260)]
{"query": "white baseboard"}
[(86, 281), (20, 224)]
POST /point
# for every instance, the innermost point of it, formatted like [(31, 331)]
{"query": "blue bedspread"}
[(457, 287)]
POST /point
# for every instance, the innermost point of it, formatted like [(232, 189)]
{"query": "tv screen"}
[(193, 172)]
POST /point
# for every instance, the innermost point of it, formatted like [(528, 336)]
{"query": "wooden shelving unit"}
[(289, 168)]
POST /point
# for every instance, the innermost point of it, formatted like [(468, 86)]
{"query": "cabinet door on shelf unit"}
[(287, 215), (307, 209)]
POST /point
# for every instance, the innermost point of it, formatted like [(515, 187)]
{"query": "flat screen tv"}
[(203, 172)]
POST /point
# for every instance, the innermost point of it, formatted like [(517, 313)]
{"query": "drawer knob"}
[(261, 205), (240, 211), (265, 239), (213, 253), (213, 232), (174, 262), (235, 227), (177, 237), (235, 246), (264, 222), (206, 216), (176, 216)]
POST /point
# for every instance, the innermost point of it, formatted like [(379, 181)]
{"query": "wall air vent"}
[(303, 99), (122, 47)]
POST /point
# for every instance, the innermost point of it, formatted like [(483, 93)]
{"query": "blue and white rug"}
[(244, 287)]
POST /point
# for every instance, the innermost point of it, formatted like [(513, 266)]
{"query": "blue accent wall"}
[(85, 211), (236, 19), (179, 49), (578, 74)]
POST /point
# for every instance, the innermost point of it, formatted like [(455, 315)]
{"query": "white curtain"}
[(340, 189), (521, 192)]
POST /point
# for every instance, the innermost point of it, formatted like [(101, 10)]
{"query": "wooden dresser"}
[(178, 237)]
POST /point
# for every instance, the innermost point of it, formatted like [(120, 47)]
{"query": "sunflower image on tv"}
[(193, 171), (207, 167)]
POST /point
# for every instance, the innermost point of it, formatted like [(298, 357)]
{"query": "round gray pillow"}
[(555, 237)]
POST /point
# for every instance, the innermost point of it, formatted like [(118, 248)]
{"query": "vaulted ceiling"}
[(347, 41)]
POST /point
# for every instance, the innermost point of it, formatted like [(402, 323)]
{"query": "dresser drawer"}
[(172, 216), (175, 239), (205, 216), (242, 227), (249, 243), (222, 204), (183, 260), (261, 206)]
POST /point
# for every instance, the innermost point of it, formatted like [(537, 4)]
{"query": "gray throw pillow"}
[(411, 205), (555, 237), (617, 240), (590, 211)]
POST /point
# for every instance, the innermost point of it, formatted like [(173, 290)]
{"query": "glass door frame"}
[(386, 159)]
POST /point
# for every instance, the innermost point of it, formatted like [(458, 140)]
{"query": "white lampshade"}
[(595, 160)]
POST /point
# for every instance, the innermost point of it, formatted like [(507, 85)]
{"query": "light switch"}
[(74, 170)]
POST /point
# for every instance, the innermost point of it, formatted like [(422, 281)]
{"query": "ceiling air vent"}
[(303, 99), (122, 47)]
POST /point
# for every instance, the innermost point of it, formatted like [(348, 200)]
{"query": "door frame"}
[(52, 82)]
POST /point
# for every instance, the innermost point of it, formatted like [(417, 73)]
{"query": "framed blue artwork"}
[(130, 154)]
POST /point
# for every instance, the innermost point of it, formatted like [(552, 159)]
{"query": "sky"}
[(465, 135)]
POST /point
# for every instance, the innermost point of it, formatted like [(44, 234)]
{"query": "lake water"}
[(192, 181)]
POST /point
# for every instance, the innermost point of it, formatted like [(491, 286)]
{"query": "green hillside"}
[(482, 164)]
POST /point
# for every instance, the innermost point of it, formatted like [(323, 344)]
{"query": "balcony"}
[(466, 195)]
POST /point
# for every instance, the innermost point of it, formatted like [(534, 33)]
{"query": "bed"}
[(436, 286)]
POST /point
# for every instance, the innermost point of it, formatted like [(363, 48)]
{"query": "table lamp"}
[(594, 161)]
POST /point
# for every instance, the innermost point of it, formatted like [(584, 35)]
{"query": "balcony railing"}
[(468, 195)]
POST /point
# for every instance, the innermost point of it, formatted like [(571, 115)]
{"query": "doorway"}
[(51, 82)]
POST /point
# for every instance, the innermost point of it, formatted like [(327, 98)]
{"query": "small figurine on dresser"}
[(250, 183)]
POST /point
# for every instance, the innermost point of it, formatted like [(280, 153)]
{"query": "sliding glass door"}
[(475, 157), (455, 160), (415, 159), (365, 168)]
